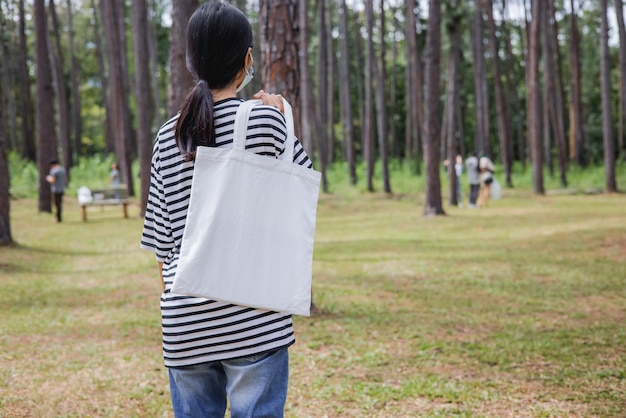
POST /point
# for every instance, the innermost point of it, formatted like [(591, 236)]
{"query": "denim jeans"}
[(255, 385)]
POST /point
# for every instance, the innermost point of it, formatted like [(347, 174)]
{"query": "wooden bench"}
[(104, 197)]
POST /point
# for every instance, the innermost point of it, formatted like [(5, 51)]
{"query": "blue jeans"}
[(255, 385)]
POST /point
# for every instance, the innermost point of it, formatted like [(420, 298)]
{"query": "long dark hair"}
[(218, 38)]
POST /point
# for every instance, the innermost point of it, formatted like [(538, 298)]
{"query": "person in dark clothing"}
[(58, 182)]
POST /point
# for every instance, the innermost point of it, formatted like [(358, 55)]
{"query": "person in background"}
[(114, 176), (216, 353), (486, 169), (114, 179), (458, 169), (473, 178), (58, 182)]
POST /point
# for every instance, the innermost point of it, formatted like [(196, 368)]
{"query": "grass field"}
[(517, 310)]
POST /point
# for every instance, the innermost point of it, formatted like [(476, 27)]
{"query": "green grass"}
[(515, 310)]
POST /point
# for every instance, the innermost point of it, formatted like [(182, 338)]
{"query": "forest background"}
[(377, 85)]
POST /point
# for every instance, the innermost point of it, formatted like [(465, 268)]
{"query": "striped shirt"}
[(197, 330)]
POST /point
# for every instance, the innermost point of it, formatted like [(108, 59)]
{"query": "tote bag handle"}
[(241, 125)]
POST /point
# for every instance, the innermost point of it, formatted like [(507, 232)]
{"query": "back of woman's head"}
[(218, 38)]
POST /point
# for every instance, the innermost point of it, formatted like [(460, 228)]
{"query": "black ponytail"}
[(218, 38), (195, 123)]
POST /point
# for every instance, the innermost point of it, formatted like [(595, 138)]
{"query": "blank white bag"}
[(250, 226)]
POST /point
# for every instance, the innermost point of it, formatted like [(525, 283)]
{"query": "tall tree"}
[(7, 76), (576, 137), (46, 131), (5, 198), (554, 97), (382, 103), (60, 85), (607, 118), (329, 96), (113, 18), (367, 134), (415, 110), (344, 92), (109, 135), (502, 109), (77, 120), (511, 90), (322, 122), (619, 11), (181, 80), (453, 26), (307, 115), (143, 95), (481, 140), (432, 198), (26, 108), (534, 95)]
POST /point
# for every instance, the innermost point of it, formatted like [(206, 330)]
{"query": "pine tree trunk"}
[(144, 97), (607, 118), (432, 199), (113, 18), (577, 144), (76, 119), (46, 131), (109, 136), (534, 97), (415, 112), (481, 141), (553, 69), (502, 110), (61, 90), (307, 114), (619, 11), (5, 203), (368, 128), (28, 136), (382, 103), (181, 80), (345, 94), (454, 35)]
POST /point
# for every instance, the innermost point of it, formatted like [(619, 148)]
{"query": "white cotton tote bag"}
[(250, 226)]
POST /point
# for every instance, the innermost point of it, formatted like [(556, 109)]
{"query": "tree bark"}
[(368, 128), (502, 110), (321, 114), (181, 80), (109, 136), (432, 198), (607, 118), (330, 88), (28, 137), (382, 103), (144, 97), (307, 114), (452, 95), (619, 11), (118, 76), (481, 141), (5, 199), (577, 144), (554, 88), (46, 131), (534, 96), (77, 120), (61, 91), (344, 92), (415, 110)]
